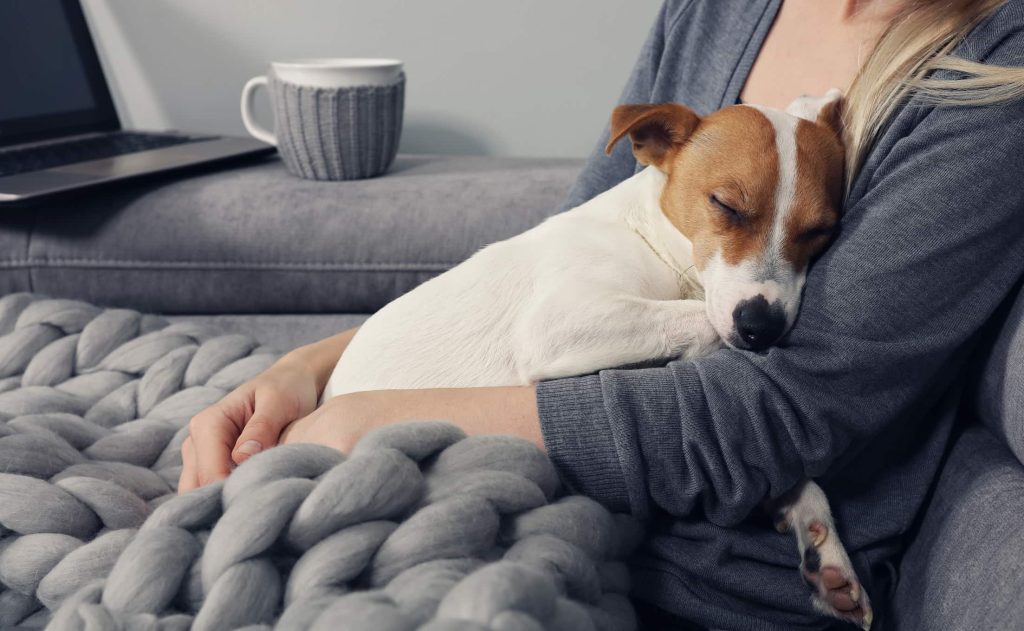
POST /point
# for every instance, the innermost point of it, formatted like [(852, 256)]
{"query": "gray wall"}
[(489, 77)]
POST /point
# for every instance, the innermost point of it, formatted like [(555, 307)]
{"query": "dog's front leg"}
[(614, 332)]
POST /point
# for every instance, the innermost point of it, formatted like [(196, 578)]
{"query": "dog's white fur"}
[(606, 284), (595, 287)]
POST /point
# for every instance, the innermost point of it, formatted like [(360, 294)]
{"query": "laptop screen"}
[(52, 83)]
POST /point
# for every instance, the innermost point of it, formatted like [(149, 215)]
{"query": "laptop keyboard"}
[(15, 161)]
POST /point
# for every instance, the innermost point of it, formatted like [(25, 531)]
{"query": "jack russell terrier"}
[(708, 244)]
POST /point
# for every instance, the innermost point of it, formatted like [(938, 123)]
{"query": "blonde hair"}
[(918, 41)]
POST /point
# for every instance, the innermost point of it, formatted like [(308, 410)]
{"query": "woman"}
[(861, 396)]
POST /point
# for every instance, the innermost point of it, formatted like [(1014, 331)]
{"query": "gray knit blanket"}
[(419, 527)]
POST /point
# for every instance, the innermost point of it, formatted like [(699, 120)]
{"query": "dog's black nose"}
[(758, 324)]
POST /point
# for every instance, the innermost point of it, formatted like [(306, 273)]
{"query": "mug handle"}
[(254, 128)]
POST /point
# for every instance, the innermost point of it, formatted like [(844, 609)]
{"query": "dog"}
[(708, 245)]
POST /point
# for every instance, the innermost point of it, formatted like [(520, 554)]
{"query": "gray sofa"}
[(253, 249)]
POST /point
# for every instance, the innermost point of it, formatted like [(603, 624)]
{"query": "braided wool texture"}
[(419, 527)]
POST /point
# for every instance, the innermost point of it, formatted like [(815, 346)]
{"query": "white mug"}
[(318, 73)]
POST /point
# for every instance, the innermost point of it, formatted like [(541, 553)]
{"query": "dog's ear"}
[(824, 110), (657, 131)]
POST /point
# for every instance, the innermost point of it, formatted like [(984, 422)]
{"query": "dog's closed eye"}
[(815, 234), (730, 212)]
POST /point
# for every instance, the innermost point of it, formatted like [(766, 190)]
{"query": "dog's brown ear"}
[(657, 131)]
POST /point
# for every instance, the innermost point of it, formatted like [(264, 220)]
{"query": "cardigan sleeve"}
[(928, 249)]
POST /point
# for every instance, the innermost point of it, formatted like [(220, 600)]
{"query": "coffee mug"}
[(335, 119)]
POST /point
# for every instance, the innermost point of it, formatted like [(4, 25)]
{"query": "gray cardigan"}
[(864, 392)]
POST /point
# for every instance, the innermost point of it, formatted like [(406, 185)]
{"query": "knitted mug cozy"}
[(338, 133)]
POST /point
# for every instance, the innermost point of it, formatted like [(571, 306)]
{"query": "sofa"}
[(252, 249)]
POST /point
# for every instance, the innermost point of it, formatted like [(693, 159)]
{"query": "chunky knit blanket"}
[(419, 527)]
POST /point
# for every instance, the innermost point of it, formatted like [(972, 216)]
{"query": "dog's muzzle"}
[(758, 324)]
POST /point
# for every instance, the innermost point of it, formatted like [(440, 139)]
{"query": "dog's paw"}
[(826, 568)]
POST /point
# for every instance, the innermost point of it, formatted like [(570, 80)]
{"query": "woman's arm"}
[(251, 418), (932, 243), (319, 358), (343, 420)]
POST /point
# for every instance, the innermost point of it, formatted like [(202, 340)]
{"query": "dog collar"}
[(687, 279)]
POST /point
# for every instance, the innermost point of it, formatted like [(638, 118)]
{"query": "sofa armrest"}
[(965, 569), (258, 240)]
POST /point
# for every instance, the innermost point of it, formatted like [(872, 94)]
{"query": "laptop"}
[(59, 130)]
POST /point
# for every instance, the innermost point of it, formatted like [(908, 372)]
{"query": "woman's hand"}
[(342, 421), (251, 418), (245, 422)]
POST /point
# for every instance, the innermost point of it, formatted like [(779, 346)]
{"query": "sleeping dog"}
[(709, 244)]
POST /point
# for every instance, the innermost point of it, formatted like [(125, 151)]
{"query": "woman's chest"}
[(810, 48)]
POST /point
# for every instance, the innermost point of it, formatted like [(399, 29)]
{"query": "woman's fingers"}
[(187, 479), (273, 413), (213, 435)]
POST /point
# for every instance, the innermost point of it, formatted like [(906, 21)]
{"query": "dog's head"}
[(756, 191)]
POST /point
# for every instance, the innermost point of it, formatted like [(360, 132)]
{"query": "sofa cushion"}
[(965, 568), (258, 240), (999, 398)]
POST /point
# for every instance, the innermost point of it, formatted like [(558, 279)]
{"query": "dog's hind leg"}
[(824, 563)]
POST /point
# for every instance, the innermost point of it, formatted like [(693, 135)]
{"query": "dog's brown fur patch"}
[(731, 155), (819, 182)]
